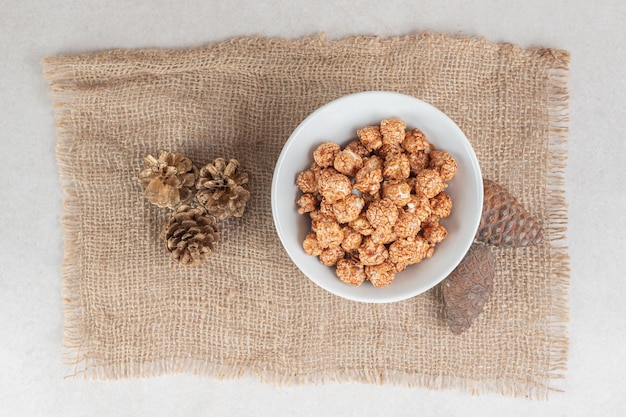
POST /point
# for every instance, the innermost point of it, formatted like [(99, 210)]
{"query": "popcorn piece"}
[(374, 162), (383, 235), (382, 213), (415, 141), (362, 225), (420, 206), (369, 198), (370, 137), (418, 161), (371, 253), (387, 150), (397, 167), (368, 180), (332, 185), (348, 208), (329, 232), (441, 205), (326, 209), (443, 163), (430, 183), (307, 203), (430, 221), (404, 252), (350, 271), (428, 252), (330, 256), (381, 275), (424, 249), (397, 191), (393, 131), (357, 147), (316, 169), (325, 154), (348, 162), (407, 225), (352, 239), (315, 214), (311, 246), (435, 233), (306, 181)]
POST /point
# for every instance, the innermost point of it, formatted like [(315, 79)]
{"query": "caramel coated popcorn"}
[(418, 161), (430, 182), (393, 131), (375, 205), (352, 239), (424, 248), (397, 167), (332, 185), (407, 225), (348, 208), (370, 137), (307, 203), (435, 233), (326, 209), (443, 163), (381, 275), (306, 181), (325, 154), (415, 141), (374, 162), (350, 271), (404, 252), (382, 213), (328, 232), (362, 225), (441, 205), (386, 151), (348, 162), (420, 206), (383, 234), (311, 245), (372, 253), (397, 191), (358, 148), (368, 180), (330, 256)]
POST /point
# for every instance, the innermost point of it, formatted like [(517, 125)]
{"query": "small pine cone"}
[(222, 190), (190, 235), (168, 179), (504, 221), (466, 290)]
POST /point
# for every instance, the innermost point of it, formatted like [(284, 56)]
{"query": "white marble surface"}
[(31, 316)]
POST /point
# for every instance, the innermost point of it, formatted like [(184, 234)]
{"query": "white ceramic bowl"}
[(338, 122)]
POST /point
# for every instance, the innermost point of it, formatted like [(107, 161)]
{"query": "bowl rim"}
[(476, 171)]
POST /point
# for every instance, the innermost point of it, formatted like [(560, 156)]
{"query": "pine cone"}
[(222, 190), (504, 221), (467, 289), (190, 235), (168, 179)]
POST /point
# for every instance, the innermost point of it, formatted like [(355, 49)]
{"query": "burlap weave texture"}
[(132, 312)]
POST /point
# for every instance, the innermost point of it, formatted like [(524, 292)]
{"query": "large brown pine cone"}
[(504, 221), (168, 179), (222, 190), (467, 289), (190, 235)]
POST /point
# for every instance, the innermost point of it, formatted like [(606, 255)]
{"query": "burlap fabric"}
[(132, 312)]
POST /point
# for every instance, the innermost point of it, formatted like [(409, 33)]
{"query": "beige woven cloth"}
[(131, 312)]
